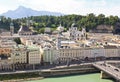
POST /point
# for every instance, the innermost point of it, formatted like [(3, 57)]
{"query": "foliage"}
[(40, 22), (17, 40)]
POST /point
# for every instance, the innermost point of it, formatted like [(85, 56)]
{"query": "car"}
[(116, 69)]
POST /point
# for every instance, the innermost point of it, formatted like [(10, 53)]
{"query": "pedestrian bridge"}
[(108, 70)]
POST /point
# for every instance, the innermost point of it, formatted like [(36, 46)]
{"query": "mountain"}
[(21, 12)]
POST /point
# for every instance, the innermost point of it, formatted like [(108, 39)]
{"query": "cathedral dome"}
[(60, 28), (73, 25)]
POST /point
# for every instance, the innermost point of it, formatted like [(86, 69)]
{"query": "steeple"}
[(84, 33)]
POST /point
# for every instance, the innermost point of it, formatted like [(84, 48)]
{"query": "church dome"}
[(73, 25), (60, 28)]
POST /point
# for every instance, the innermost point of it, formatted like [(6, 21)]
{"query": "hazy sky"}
[(83, 7)]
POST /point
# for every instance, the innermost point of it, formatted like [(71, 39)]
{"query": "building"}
[(7, 43), (60, 28), (95, 52), (75, 34), (74, 54), (29, 42), (25, 30), (5, 51), (19, 54), (111, 51), (33, 55), (50, 55), (103, 29), (4, 32), (6, 64)]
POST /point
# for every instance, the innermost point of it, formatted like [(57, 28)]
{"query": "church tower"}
[(58, 43), (73, 30), (84, 33), (11, 29)]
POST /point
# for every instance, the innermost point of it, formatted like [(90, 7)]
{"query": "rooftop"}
[(24, 29)]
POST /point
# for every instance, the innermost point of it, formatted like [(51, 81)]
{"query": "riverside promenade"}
[(108, 69), (82, 68)]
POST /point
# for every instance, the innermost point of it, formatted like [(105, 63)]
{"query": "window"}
[(17, 54)]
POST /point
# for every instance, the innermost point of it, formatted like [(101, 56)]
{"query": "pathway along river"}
[(95, 77)]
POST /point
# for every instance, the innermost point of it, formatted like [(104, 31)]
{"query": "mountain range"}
[(22, 11)]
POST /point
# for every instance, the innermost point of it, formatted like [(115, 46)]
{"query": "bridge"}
[(109, 70)]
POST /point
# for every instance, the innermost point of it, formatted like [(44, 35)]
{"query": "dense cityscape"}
[(27, 50), (60, 41)]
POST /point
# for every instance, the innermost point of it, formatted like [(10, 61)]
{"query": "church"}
[(75, 34), (25, 29)]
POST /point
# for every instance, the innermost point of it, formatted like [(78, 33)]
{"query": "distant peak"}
[(23, 11), (21, 7)]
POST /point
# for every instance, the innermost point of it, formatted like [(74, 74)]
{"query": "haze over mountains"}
[(22, 11)]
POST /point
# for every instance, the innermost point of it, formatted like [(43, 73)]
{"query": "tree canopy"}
[(89, 21)]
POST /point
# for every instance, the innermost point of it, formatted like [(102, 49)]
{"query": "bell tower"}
[(84, 33)]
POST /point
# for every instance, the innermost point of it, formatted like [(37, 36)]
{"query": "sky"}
[(82, 7)]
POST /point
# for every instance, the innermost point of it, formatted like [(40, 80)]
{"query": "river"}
[(95, 77)]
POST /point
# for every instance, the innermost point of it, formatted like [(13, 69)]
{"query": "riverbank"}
[(90, 77), (57, 71), (20, 77), (25, 79)]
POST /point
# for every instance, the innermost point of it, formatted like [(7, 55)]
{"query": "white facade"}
[(50, 55), (82, 53), (112, 52), (75, 34), (98, 52)]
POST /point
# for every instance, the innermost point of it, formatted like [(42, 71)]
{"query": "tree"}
[(100, 19), (40, 22), (17, 40)]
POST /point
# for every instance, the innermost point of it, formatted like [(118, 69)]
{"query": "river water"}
[(95, 77)]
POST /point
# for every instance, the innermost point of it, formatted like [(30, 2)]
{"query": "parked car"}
[(116, 69)]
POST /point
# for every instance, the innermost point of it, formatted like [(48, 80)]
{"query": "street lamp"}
[(68, 62), (95, 57), (104, 60)]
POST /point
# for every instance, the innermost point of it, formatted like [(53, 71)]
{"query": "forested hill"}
[(89, 21)]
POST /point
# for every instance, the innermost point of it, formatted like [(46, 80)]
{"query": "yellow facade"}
[(34, 57), (19, 56)]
